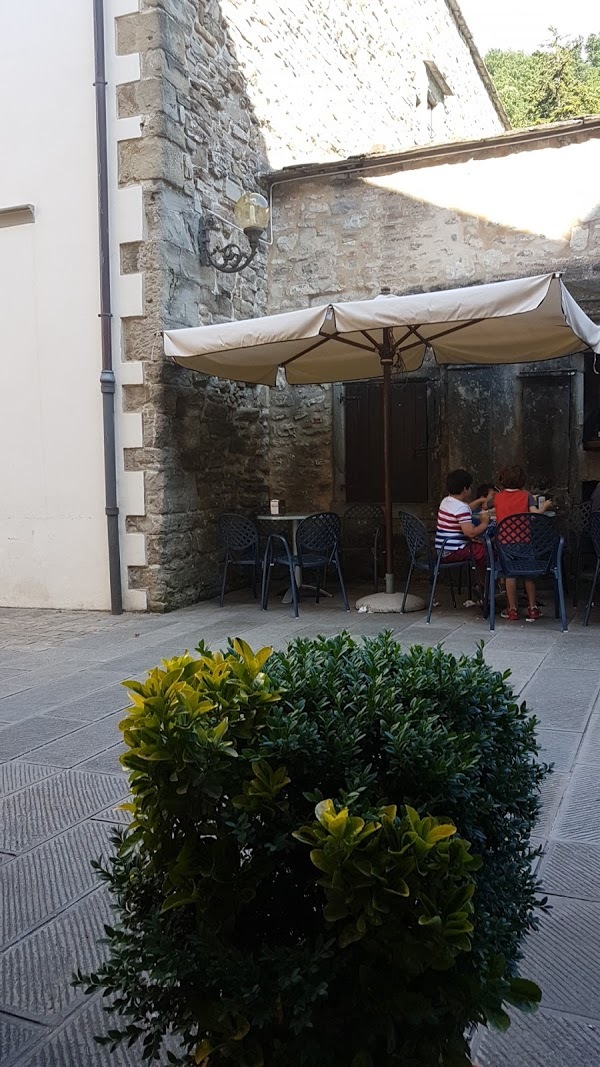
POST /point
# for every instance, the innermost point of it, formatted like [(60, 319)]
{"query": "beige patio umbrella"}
[(517, 321)]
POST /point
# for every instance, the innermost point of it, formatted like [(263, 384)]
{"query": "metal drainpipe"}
[(107, 376)]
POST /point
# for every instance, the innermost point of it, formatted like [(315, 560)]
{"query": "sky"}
[(523, 24)]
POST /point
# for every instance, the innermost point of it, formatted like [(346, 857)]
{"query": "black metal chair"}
[(424, 557), (578, 543), (363, 533), (239, 538), (594, 532), (527, 546), (317, 549)]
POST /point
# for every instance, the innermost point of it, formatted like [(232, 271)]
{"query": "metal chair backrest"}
[(527, 544), (360, 523), (417, 537), (594, 531), (319, 534), (237, 533), (578, 521)]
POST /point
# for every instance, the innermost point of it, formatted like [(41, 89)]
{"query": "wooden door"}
[(364, 442)]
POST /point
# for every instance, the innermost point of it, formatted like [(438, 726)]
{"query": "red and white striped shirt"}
[(451, 514)]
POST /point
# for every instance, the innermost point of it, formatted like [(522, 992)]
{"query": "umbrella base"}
[(389, 602)]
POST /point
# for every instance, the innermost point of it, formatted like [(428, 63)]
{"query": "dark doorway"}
[(364, 442)]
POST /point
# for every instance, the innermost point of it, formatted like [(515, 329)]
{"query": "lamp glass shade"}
[(252, 212)]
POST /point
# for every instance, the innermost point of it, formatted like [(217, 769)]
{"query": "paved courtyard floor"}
[(60, 780)]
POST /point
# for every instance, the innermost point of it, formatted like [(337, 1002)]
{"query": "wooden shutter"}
[(364, 442)]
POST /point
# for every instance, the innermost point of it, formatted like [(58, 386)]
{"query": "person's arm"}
[(471, 531), (534, 510)]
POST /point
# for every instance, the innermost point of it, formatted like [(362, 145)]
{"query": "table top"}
[(282, 518)]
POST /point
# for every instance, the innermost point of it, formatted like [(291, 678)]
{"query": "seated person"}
[(456, 532), (514, 499), (484, 496)]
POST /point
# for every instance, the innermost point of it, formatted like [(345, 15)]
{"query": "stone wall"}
[(361, 68), (470, 215), (225, 91)]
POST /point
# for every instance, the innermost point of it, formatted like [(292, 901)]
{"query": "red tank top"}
[(511, 502)]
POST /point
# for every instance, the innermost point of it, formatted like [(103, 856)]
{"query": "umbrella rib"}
[(311, 348), (444, 333)]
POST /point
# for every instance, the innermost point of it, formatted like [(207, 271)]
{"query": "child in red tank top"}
[(514, 499)]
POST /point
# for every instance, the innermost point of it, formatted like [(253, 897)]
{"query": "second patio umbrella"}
[(517, 321)]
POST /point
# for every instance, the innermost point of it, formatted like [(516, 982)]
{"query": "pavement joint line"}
[(24, 1058), (53, 837), (46, 922), (68, 733), (19, 759), (51, 1020)]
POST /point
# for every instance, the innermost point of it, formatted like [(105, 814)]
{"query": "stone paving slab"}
[(545, 1039), (36, 972), (16, 775), (93, 706), (551, 794), (22, 737), (559, 747), (590, 748), (561, 697), (105, 762), (579, 815), (81, 744), (571, 870), (113, 815), (563, 957), (522, 665), (45, 808), (73, 1045), (73, 663), (44, 697), (15, 1037), (56, 874), (577, 652)]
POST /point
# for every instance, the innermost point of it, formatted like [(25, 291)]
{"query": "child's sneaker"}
[(533, 614), (511, 614)]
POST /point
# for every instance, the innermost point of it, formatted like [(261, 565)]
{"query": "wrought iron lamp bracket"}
[(231, 258)]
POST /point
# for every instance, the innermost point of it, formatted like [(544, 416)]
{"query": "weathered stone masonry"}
[(519, 204), (226, 92)]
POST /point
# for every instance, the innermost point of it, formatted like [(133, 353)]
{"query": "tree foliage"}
[(557, 82)]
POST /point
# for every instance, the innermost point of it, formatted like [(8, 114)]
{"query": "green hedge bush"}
[(328, 861)]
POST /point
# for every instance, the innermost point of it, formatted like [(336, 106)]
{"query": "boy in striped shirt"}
[(455, 528)]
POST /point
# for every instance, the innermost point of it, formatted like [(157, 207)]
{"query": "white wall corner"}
[(135, 600), (132, 434), (131, 493), (134, 549), (116, 8)]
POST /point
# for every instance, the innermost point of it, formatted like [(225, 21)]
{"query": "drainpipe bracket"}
[(107, 381)]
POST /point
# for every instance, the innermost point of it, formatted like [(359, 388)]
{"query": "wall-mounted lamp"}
[(252, 216)]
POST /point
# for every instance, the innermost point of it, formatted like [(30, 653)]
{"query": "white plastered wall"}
[(53, 541), (53, 544), (127, 225)]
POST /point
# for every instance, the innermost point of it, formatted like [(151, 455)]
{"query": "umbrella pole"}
[(386, 356)]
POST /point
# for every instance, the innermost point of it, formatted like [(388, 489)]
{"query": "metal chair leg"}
[(266, 577), (576, 570), (341, 579), (409, 576), (452, 588), (224, 582), (588, 609), (436, 572)]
